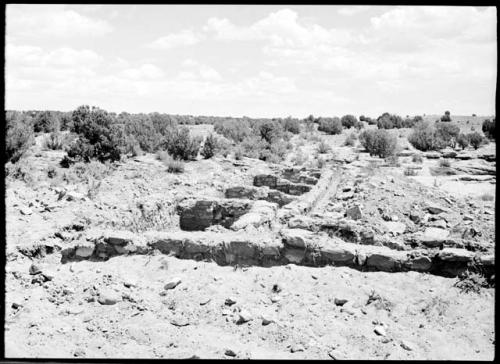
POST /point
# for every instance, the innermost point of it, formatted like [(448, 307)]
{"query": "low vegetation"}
[(378, 142)]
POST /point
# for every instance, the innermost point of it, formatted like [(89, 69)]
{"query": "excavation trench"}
[(277, 249)]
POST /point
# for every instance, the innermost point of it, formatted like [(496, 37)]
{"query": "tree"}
[(348, 121), (475, 139), (463, 140), (389, 121), (448, 132), (446, 116), (209, 147), (378, 142), (330, 125), (489, 128)]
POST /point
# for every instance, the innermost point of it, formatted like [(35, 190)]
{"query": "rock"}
[(394, 218), (225, 312), (229, 352), (294, 255), (432, 155), (455, 255), (84, 251), (468, 218), (74, 196), (205, 301), (296, 348), (34, 269), (435, 209), (297, 238), (415, 217), (433, 237), (267, 319), (75, 310), (380, 330), (487, 260), (386, 260), (26, 211), (174, 282), (420, 263), (108, 297), (406, 345), (130, 283), (449, 154), (244, 316), (354, 213), (395, 228), (179, 321), (340, 301), (275, 298), (439, 224), (230, 301), (463, 156)]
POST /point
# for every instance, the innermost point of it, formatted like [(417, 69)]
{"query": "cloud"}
[(36, 21), (146, 71), (353, 10), (174, 40)]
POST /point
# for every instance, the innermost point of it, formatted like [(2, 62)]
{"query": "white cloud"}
[(353, 10), (146, 71), (181, 39), (37, 21)]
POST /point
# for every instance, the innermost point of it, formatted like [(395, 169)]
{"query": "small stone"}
[(297, 347), (354, 213), (76, 310), (406, 345), (35, 269), (267, 319), (230, 301), (275, 299), (226, 312), (340, 301), (129, 283), (229, 352), (380, 330), (173, 283), (394, 218), (108, 297), (26, 211), (244, 316), (204, 302), (180, 322)]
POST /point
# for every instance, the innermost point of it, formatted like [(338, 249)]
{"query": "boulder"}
[(245, 192), (455, 255), (463, 156), (354, 213), (109, 297), (433, 237), (435, 209), (432, 155), (294, 255), (387, 260), (298, 238), (394, 227), (265, 180), (420, 263)]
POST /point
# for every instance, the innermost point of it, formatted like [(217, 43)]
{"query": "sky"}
[(252, 60)]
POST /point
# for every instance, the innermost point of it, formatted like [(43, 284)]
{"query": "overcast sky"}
[(252, 60)]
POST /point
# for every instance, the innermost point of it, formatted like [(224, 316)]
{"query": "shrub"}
[(143, 131), (22, 171), (392, 161), (448, 132), (320, 162), (424, 138), (323, 147), (233, 129), (180, 145), (471, 282), (489, 128), (46, 122), (350, 140), (330, 125), (18, 136), (349, 121), (446, 116), (238, 153), (463, 140), (210, 146), (98, 137), (51, 172), (371, 121), (270, 130), (417, 158), (444, 162), (54, 141), (378, 142), (389, 121), (475, 139), (173, 165), (291, 125), (410, 172), (300, 158)]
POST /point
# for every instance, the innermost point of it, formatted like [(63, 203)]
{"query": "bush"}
[(448, 132), (446, 116), (350, 141), (417, 158), (475, 139), (173, 165), (330, 125), (291, 125), (444, 163), (378, 142), (410, 172), (389, 121), (349, 121), (270, 131), (18, 136), (323, 147), (233, 129), (489, 128), (98, 137), (210, 147), (54, 141), (238, 153), (424, 138), (463, 140), (180, 145), (46, 122)]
